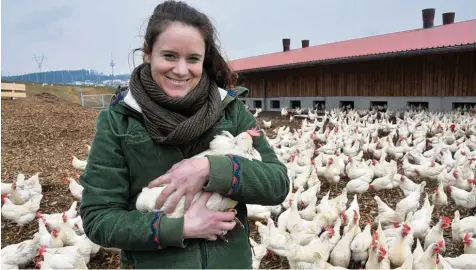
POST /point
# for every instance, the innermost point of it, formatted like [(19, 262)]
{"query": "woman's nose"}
[(181, 68)]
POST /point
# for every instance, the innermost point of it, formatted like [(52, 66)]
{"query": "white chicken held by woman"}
[(241, 145)]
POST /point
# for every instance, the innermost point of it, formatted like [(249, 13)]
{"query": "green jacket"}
[(123, 159)]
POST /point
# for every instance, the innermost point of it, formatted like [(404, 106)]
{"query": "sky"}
[(84, 34)]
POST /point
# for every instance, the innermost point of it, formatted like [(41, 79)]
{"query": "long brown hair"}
[(169, 12)]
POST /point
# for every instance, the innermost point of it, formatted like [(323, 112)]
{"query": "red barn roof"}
[(449, 35)]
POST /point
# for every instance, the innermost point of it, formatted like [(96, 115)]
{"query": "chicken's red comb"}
[(406, 227), (396, 224), (253, 132), (382, 250), (331, 231), (441, 243), (41, 250), (4, 196), (466, 237), (269, 253), (446, 220)]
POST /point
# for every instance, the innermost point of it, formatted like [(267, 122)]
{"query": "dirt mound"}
[(48, 97), (38, 134)]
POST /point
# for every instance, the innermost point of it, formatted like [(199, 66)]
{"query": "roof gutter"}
[(449, 49)]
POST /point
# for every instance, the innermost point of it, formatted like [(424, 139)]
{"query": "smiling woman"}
[(152, 134), (176, 59)]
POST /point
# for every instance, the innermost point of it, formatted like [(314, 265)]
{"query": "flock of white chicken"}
[(326, 233), (60, 242), (312, 233)]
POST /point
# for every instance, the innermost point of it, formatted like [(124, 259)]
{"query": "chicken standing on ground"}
[(78, 163), (332, 173), (74, 187), (21, 214), (469, 244), (439, 198)]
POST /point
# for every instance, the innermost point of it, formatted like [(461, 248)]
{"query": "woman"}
[(174, 107)]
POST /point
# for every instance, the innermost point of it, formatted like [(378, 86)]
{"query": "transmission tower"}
[(112, 64), (39, 62)]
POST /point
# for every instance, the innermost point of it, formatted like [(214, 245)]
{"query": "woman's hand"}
[(184, 178), (200, 222)]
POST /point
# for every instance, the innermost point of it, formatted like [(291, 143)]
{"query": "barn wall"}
[(393, 103), (452, 74)]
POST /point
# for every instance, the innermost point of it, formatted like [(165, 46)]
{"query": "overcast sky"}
[(83, 33)]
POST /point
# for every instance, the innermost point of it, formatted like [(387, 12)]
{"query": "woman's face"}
[(177, 59)]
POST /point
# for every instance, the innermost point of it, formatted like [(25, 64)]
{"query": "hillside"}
[(65, 76)]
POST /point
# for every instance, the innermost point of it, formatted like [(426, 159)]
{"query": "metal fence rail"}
[(96, 101)]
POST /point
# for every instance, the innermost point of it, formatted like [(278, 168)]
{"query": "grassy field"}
[(69, 93)]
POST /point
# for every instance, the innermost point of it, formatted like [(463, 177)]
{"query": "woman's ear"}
[(147, 58), (147, 53)]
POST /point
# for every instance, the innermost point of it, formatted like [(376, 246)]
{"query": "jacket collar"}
[(130, 101)]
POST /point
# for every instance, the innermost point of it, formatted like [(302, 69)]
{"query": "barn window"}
[(319, 105), (381, 106), (275, 104), (295, 104), (257, 103), (418, 104), (468, 105), (347, 104)]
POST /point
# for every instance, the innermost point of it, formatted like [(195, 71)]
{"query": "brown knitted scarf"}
[(175, 120)]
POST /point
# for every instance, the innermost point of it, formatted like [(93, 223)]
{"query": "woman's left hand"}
[(184, 178)]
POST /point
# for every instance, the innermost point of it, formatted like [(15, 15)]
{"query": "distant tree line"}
[(65, 77)]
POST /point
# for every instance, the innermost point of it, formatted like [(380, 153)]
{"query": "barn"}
[(433, 66)]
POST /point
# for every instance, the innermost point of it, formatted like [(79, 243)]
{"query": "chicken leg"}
[(236, 219), (222, 237), (111, 260)]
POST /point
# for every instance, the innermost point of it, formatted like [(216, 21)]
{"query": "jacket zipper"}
[(203, 254)]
